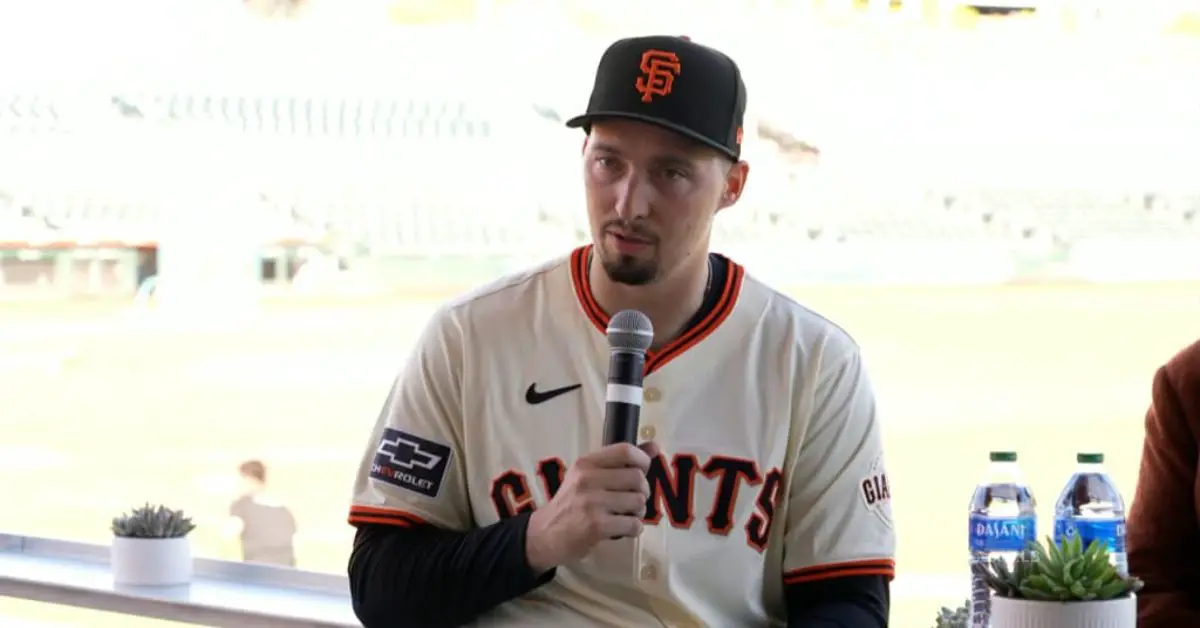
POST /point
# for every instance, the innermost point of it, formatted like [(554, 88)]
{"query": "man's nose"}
[(633, 199)]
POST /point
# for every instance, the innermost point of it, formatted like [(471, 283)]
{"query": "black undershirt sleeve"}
[(849, 602), (424, 577)]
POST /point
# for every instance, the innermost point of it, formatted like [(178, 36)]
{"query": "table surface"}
[(221, 593)]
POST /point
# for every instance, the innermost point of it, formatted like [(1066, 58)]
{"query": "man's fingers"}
[(625, 479), (621, 526), (650, 448), (632, 504), (620, 455)]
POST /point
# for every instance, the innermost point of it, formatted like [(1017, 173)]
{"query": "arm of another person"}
[(839, 545), (236, 521), (231, 532), (1163, 533), (418, 560)]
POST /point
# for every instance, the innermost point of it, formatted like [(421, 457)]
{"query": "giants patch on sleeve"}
[(410, 462), (875, 492)]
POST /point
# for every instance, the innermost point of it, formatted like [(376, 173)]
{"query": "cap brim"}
[(584, 121)]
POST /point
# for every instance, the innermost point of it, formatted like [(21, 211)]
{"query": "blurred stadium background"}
[(222, 224)]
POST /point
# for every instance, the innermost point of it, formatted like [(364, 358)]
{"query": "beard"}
[(629, 270)]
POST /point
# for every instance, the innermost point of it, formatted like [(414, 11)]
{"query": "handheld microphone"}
[(630, 334)]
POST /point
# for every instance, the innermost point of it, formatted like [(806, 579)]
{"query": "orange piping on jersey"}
[(693, 336), (690, 338), (876, 567), (386, 516), (583, 288)]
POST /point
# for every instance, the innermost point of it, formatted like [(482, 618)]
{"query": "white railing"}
[(228, 594), (222, 593)]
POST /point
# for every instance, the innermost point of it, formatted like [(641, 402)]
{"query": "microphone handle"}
[(621, 423), (623, 399)]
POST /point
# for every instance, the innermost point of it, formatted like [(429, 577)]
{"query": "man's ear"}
[(735, 183), (583, 148)]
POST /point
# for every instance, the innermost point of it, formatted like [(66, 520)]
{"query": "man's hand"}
[(603, 496)]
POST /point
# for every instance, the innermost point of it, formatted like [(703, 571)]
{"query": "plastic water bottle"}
[(1003, 523), (1090, 506)]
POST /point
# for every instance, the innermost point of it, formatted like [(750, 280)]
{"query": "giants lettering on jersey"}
[(672, 493), (876, 494)]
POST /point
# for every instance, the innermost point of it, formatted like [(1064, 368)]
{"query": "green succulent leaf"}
[(1056, 552), (956, 618), (1024, 566), (1112, 590), (1055, 570), (1093, 551), (1040, 582), (152, 522), (1074, 569), (1000, 566), (1030, 593), (1076, 546)]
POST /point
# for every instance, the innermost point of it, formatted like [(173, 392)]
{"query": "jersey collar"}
[(718, 304)]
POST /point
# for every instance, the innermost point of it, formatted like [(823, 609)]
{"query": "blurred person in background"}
[(265, 526), (1164, 519)]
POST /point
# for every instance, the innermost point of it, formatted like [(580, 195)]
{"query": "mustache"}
[(630, 229)]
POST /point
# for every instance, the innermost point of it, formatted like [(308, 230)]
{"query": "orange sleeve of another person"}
[(1163, 526)]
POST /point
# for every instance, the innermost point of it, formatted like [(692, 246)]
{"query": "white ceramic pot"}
[(1010, 613), (151, 562)]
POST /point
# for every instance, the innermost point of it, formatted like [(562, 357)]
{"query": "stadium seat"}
[(400, 163)]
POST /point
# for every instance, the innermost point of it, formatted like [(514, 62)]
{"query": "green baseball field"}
[(102, 409)]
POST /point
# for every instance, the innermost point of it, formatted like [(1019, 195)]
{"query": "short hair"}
[(254, 469)]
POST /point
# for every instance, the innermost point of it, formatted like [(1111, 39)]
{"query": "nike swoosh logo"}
[(533, 396)]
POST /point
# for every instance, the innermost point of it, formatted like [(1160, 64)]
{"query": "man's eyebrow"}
[(665, 159), (673, 160), (604, 147)]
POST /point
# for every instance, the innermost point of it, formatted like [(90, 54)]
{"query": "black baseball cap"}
[(674, 83)]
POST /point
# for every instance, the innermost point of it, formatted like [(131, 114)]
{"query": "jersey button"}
[(649, 572), (651, 395), (647, 432)]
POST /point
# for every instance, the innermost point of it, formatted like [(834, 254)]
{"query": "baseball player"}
[(759, 495)]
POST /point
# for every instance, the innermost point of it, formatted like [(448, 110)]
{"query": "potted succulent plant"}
[(956, 618), (150, 547), (1064, 586)]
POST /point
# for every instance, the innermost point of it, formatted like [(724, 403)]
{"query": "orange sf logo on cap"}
[(659, 69)]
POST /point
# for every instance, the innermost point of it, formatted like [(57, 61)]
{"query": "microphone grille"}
[(630, 330)]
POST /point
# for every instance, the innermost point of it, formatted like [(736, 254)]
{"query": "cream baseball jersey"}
[(772, 469)]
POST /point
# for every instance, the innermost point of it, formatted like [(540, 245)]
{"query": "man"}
[(265, 527), (1164, 527), (759, 496)]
